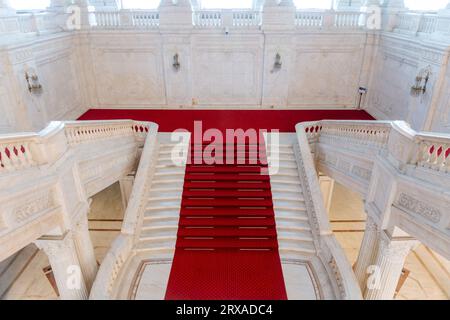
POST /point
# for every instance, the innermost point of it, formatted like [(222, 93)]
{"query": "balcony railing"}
[(35, 23), (124, 19), (422, 23), (226, 18)]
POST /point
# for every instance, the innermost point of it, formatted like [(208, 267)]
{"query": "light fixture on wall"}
[(278, 64), (176, 62), (421, 83), (33, 81)]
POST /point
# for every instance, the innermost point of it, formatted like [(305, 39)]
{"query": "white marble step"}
[(288, 250), (157, 242), (169, 160), (291, 172), (294, 234), (293, 223), (164, 197), (158, 232), (150, 222), (287, 194), (167, 184), (160, 213), (177, 173), (279, 186), (291, 214), (165, 192), (289, 205), (294, 179), (163, 204)]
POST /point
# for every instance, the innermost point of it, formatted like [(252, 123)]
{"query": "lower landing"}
[(149, 280)]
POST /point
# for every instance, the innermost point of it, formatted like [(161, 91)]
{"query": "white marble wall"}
[(134, 69), (397, 63), (218, 70), (56, 61)]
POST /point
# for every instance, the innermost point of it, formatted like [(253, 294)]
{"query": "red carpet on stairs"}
[(227, 241)]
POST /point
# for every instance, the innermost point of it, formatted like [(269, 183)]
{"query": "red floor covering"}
[(170, 120), (227, 246)]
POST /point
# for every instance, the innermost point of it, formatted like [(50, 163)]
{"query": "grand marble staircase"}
[(294, 230), (163, 201)]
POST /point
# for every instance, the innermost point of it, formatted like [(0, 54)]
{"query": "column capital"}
[(396, 249), (54, 245)]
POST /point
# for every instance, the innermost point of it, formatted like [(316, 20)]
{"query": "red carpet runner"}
[(227, 241)]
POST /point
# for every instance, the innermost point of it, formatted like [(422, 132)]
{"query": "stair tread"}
[(226, 212), (226, 222), (227, 243), (225, 203), (226, 177), (221, 169), (227, 194), (228, 185), (226, 232)]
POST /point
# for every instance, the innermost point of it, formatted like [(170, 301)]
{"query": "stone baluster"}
[(388, 266), (85, 250), (66, 269), (367, 252)]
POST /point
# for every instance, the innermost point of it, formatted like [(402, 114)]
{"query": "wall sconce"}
[(176, 62), (33, 82), (421, 83), (278, 64)]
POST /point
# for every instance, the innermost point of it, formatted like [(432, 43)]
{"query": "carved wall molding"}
[(418, 207)]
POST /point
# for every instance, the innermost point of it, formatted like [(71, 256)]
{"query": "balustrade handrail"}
[(420, 149), (122, 247), (24, 150), (326, 244)]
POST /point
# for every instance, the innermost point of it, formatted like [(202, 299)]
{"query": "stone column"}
[(85, 251), (367, 252), (63, 259), (389, 262)]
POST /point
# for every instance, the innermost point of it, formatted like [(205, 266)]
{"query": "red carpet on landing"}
[(171, 120)]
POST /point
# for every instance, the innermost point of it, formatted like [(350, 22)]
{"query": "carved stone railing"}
[(33, 23), (226, 18), (309, 19), (422, 23), (394, 168), (45, 176), (124, 19), (122, 248), (329, 251)]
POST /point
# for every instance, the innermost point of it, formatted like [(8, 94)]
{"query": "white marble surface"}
[(299, 284), (153, 281)]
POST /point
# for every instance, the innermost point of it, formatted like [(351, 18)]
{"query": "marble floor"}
[(348, 221)]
